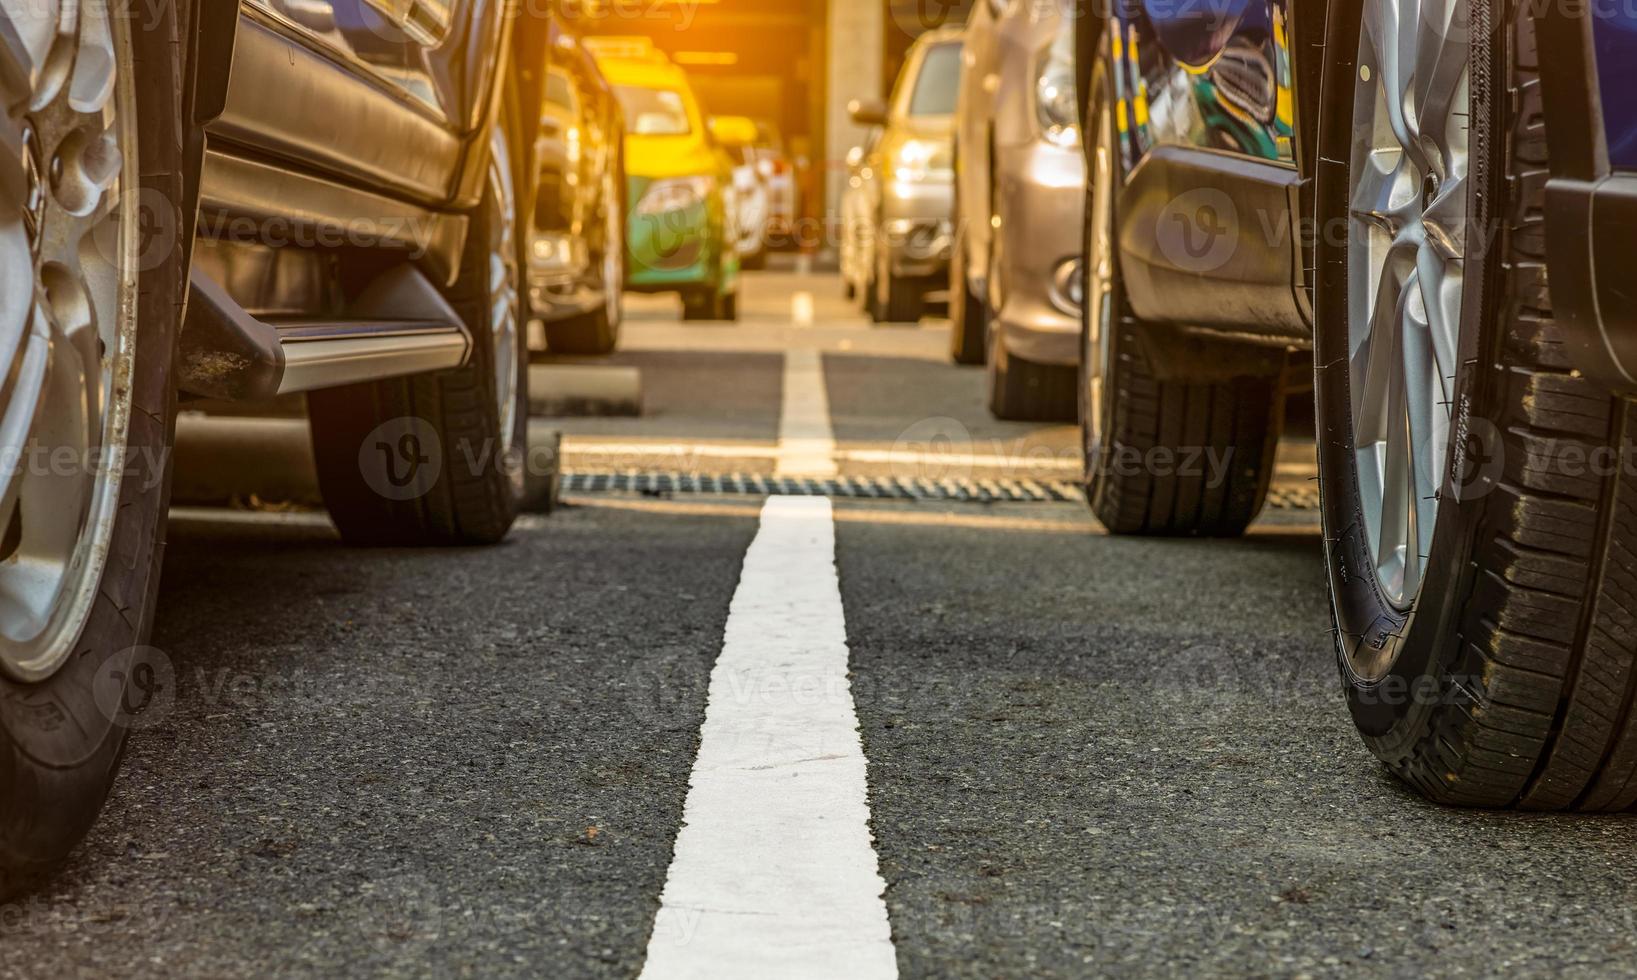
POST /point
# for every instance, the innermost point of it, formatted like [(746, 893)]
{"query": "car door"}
[(382, 93)]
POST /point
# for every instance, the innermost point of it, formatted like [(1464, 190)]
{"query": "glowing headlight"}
[(1055, 94), (917, 161), (675, 194)]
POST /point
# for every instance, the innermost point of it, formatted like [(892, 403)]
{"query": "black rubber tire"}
[(1176, 458), (1024, 391), (589, 334), (473, 491), (900, 301), (60, 751), (1512, 679), (705, 303), (968, 313)]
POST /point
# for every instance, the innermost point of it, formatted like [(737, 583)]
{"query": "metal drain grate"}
[(963, 490)]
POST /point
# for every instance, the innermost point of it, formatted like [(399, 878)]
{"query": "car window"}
[(938, 82), (654, 111)]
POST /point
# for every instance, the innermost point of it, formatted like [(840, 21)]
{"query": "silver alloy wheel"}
[(69, 253), (505, 312), (1406, 249), (1099, 273)]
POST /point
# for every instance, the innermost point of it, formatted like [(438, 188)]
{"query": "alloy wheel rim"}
[(1407, 213), (1099, 275), (504, 293), (67, 343)]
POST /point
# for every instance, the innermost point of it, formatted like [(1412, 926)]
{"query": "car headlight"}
[(917, 161), (675, 194), (1055, 93)]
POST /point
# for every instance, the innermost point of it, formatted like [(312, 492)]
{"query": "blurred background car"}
[(737, 137), (778, 173), (576, 246), (679, 186), (1014, 286), (896, 242)]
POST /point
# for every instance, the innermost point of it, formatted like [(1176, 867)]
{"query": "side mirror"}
[(868, 112)]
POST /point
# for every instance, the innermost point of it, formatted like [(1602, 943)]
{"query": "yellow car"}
[(680, 233)]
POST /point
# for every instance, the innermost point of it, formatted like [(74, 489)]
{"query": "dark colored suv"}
[(330, 189)]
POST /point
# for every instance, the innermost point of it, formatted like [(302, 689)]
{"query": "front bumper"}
[(917, 229), (1042, 198), (673, 249)]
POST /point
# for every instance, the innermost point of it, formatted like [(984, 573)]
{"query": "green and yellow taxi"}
[(681, 227)]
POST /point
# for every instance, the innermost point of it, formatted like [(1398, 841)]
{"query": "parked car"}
[(680, 235), (736, 135), (895, 248), (576, 251), (356, 239), (1019, 173), (1189, 323), (778, 173)]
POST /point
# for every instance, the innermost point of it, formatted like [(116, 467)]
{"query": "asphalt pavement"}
[(1085, 755)]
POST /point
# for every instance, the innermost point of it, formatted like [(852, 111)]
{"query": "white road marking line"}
[(807, 445), (774, 872), (801, 309)]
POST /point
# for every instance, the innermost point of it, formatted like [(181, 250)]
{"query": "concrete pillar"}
[(856, 35)]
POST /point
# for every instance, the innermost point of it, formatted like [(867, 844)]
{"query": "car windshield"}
[(938, 82), (653, 111)]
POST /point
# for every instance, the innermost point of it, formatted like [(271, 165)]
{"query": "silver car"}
[(897, 209), (1020, 188)]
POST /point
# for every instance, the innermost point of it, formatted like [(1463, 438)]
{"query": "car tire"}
[(437, 459), (63, 730), (1162, 457), (701, 303), (968, 314), (1024, 391), (897, 299), (1500, 669)]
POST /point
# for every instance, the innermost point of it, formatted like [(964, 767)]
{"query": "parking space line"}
[(774, 872), (807, 444)]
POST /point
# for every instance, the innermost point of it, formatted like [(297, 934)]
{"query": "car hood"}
[(669, 156)]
